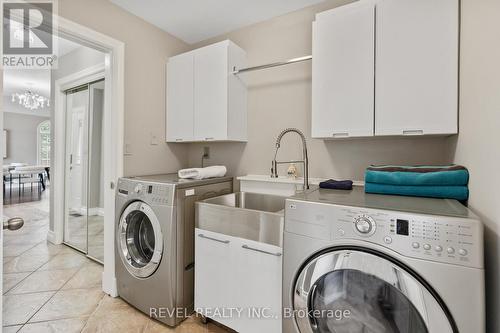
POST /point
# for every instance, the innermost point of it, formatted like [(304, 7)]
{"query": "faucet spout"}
[(305, 160)]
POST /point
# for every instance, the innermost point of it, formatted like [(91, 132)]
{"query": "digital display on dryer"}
[(402, 227)]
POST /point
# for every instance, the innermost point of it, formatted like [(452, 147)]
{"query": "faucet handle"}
[(274, 169)]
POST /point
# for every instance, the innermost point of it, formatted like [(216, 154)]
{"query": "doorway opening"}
[(84, 188)]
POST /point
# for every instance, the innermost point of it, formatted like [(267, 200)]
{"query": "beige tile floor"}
[(53, 288)]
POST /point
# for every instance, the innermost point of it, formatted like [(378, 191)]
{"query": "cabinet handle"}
[(178, 139), (413, 132), (261, 251), (340, 135), (214, 239), (207, 139)]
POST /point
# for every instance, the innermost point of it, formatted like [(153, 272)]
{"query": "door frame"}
[(113, 138)]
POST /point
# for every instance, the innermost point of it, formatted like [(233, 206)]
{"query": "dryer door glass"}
[(360, 302), (140, 239), (348, 291)]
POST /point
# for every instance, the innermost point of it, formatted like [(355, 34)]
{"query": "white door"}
[(77, 126), (180, 98), (343, 71), (210, 92), (214, 272), (261, 275), (416, 67), (75, 207)]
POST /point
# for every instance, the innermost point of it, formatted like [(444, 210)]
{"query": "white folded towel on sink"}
[(202, 173)]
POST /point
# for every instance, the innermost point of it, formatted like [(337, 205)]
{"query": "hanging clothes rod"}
[(275, 64)]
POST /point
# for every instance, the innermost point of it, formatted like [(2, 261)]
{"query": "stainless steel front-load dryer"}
[(366, 263), (154, 247)]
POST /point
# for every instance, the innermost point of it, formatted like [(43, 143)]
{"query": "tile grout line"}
[(49, 298), (95, 310), (30, 272)]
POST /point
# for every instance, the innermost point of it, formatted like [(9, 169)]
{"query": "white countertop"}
[(287, 180)]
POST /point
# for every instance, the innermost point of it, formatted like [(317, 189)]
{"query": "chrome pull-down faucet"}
[(305, 161)]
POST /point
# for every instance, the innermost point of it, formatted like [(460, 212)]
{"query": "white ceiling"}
[(197, 20), (19, 80)]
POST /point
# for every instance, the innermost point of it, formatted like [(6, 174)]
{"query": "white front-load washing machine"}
[(154, 248), (366, 263)]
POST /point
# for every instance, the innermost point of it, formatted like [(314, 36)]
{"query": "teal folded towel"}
[(453, 175), (446, 192)]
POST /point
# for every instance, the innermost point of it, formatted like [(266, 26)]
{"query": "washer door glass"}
[(140, 239), (356, 292)]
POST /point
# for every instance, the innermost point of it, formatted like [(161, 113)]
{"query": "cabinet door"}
[(180, 95), (343, 71), (258, 294), (214, 273), (210, 91), (417, 67)]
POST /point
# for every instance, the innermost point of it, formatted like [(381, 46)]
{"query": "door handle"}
[(261, 251), (13, 224), (214, 239)]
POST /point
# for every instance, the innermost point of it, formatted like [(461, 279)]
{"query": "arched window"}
[(43, 135)]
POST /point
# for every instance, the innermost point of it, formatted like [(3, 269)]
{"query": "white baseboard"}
[(111, 289), (51, 237)]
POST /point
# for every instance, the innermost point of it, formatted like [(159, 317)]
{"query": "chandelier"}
[(30, 100)]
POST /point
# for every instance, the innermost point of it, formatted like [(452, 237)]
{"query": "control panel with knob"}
[(138, 188), (448, 239), (147, 192), (365, 225)]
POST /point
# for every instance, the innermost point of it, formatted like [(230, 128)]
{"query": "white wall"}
[(147, 49), (21, 137), (478, 144), (281, 97)]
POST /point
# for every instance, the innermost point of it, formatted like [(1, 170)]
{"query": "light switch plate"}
[(154, 140), (128, 149)]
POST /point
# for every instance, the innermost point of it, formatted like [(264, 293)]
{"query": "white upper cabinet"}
[(212, 97), (417, 67), (180, 98), (343, 72), (386, 67)]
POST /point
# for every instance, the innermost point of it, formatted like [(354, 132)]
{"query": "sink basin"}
[(253, 216)]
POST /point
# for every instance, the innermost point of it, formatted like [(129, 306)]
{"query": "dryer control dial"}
[(138, 188), (365, 224)]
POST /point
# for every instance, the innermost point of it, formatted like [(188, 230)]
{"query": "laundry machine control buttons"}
[(415, 245), (365, 224), (450, 250), (427, 247), (462, 252), (438, 248), (387, 240)]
